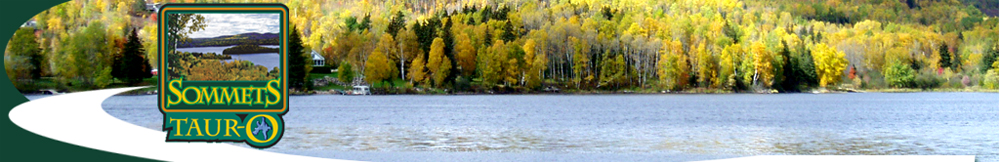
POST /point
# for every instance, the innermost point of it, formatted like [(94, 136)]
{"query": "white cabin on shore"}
[(318, 59)]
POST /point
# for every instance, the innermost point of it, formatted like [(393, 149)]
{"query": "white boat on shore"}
[(359, 90)]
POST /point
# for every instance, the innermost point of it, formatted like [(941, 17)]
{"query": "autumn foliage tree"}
[(465, 54), (728, 61), (674, 69), (438, 64), (716, 44), (535, 63), (762, 65), (707, 66), (581, 61), (830, 64), (491, 63), (408, 47), (418, 71), (379, 67)]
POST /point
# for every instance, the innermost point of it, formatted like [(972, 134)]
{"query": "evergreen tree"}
[(508, 32), (366, 23), (790, 72), (298, 62), (396, 24), (989, 57), (945, 60), (130, 66), (449, 47)]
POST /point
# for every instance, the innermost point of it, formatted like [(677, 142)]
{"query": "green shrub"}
[(927, 81), (899, 75)]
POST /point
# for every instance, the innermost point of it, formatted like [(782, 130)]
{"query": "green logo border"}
[(243, 116)]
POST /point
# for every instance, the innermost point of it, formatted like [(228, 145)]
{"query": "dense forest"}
[(230, 40), (595, 45), (686, 45)]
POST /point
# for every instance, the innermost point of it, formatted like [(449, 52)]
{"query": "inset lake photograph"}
[(225, 47)]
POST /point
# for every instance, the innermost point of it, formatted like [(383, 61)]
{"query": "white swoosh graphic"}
[(78, 118)]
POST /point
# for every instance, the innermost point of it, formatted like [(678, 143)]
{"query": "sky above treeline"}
[(232, 24)]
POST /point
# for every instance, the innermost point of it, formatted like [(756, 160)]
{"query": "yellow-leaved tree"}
[(379, 67), (762, 63), (830, 64), (673, 67), (581, 61), (437, 63), (417, 69), (728, 63), (535, 62), (466, 54), (707, 66)]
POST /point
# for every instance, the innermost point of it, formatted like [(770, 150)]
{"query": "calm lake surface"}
[(624, 127), (269, 60)]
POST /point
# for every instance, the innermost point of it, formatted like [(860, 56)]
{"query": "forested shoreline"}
[(248, 49), (229, 40), (718, 46), (575, 46)]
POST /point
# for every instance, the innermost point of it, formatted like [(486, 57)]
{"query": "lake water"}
[(269, 60), (624, 127)]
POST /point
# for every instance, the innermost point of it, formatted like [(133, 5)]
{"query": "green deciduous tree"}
[(345, 73), (491, 63), (512, 70), (86, 58), (24, 44), (180, 25), (990, 78), (898, 74), (23, 59), (612, 70)]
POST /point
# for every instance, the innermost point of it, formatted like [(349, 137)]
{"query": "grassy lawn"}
[(321, 75), (395, 83)]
